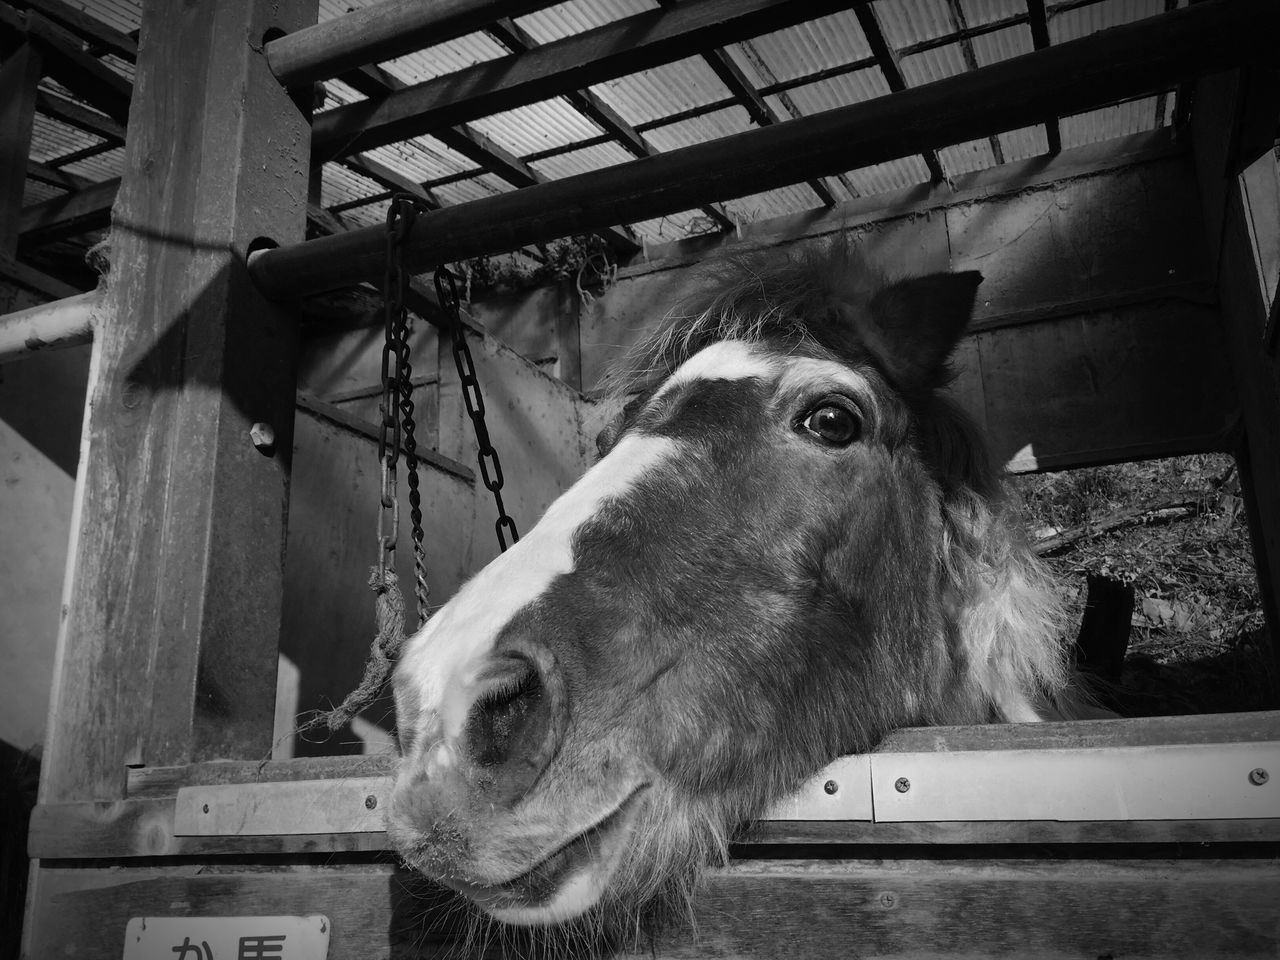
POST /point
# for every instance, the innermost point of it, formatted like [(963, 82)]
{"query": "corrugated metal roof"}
[(577, 16), (799, 71), (663, 90)]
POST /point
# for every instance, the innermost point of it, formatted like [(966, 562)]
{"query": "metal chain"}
[(490, 466), (397, 427)]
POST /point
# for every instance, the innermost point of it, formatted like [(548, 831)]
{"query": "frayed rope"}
[(389, 614)]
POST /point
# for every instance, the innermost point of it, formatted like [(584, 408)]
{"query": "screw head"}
[(205, 808), (888, 900), (831, 786), (370, 802), (902, 784), (1258, 776)]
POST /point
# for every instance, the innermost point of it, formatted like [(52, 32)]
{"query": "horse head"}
[(792, 543)]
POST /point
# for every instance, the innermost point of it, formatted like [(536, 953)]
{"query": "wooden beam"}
[(168, 642), (82, 74), (1123, 62), (19, 74), (55, 177), (78, 116), (75, 213), (960, 23), (62, 323), (885, 55), (616, 49), (382, 31), (88, 28), (1040, 38), (1231, 111), (763, 114)]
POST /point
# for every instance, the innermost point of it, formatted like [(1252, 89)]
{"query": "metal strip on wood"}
[(1228, 781), (357, 805)]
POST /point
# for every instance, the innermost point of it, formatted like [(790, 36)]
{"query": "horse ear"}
[(912, 326)]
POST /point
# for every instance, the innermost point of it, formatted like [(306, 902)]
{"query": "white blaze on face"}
[(443, 660), (727, 360)]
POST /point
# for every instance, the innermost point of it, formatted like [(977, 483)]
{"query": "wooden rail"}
[(1125, 62)]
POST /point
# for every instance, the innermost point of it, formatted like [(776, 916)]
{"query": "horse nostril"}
[(508, 720)]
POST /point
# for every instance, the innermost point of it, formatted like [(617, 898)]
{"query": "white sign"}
[(227, 938)]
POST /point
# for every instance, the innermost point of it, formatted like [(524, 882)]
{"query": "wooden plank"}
[(84, 913), (382, 31), (144, 827), (167, 648), (1122, 62), (906, 908), (19, 74), (1049, 909), (61, 323), (616, 49)]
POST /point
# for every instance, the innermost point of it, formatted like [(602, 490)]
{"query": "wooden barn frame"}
[(1101, 838)]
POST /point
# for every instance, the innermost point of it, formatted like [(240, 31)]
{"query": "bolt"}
[(888, 900), (206, 808), (902, 784), (1258, 776), (370, 802), (831, 786), (263, 437)]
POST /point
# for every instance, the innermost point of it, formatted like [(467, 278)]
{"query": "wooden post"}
[(1233, 120), (19, 74), (167, 648)]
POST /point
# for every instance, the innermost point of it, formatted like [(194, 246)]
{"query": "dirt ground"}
[(1198, 642)]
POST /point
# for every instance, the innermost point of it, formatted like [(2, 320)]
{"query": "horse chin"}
[(567, 882)]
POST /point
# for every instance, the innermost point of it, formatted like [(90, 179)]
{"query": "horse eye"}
[(833, 424)]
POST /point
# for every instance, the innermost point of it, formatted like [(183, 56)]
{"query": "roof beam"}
[(1039, 22), (375, 82), (892, 70), (1124, 62), (66, 61), (554, 69), (61, 217), (382, 31), (55, 177), (960, 23), (80, 117), (103, 38)]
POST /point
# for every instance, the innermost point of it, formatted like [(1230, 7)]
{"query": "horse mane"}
[(1006, 620)]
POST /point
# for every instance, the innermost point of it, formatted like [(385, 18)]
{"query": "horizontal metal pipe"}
[(381, 32), (1124, 62), (61, 323)]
